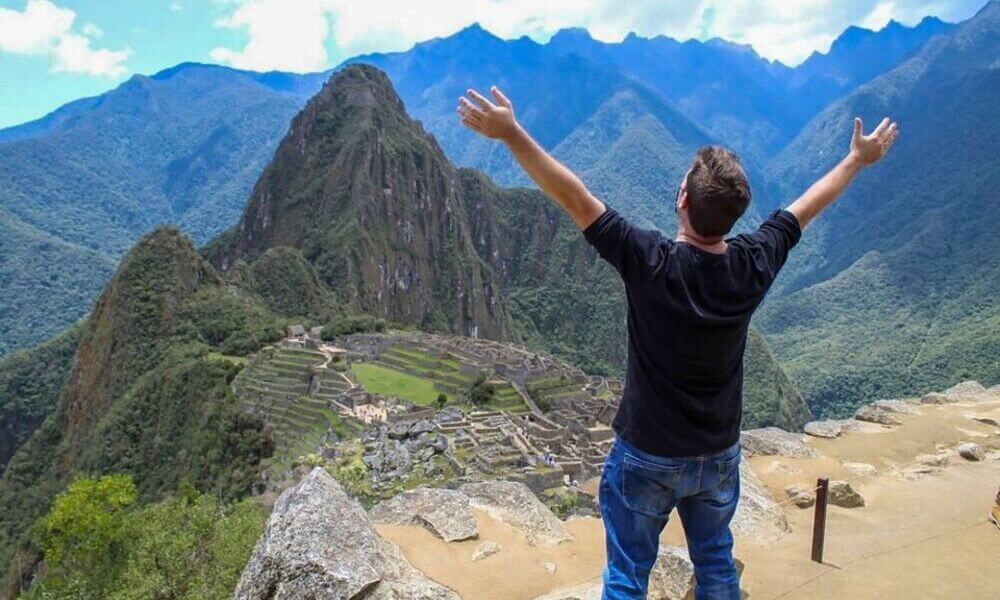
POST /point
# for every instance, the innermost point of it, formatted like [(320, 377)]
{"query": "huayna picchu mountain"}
[(372, 202)]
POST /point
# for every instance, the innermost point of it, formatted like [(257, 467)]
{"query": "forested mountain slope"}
[(135, 391), (81, 185), (901, 293)]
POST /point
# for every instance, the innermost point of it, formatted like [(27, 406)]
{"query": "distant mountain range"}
[(186, 145), (897, 287)]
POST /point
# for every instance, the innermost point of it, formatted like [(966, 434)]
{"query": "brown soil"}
[(916, 538)]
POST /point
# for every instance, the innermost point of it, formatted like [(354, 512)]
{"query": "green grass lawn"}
[(390, 382)]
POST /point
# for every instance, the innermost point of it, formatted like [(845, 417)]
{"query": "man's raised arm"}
[(497, 121), (865, 150)]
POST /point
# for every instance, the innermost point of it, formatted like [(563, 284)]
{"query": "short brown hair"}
[(717, 189)]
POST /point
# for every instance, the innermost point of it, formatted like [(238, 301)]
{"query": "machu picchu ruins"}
[(535, 416)]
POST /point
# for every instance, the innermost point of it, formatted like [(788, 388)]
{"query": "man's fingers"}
[(480, 100), (881, 127), (471, 125), (469, 114), (858, 128), (469, 107), (889, 134), (499, 97)]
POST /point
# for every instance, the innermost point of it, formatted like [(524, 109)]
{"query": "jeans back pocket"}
[(649, 488)]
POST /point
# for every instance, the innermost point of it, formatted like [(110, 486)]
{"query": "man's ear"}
[(682, 200)]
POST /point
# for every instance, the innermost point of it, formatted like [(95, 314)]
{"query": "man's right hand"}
[(495, 121), (868, 149)]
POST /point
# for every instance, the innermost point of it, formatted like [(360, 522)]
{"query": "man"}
[(689, 305)]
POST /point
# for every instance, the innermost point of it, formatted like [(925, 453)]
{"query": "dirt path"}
[(919, 538)]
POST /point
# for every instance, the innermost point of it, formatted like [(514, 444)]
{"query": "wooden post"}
[(819, 519)]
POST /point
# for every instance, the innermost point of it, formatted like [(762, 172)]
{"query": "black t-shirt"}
[(688, 315)]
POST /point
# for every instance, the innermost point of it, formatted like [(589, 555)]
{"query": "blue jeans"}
[(638, 491)]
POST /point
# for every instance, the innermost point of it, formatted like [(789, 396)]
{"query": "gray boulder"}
[(936, 398), (860, 468), (758, 515), (801, 496), (485, 550), (966, 390), (398, 431), (773, 441), (971, 451), (444, 512), (876, 414), (319, 544), (388, 459), (421, 427), (830, 428), (903, 407), (672, 576), (932, 460), (513, 503), (842, 494)]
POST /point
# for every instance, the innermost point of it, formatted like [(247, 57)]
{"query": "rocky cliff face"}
[(320, 544), (372, 202)]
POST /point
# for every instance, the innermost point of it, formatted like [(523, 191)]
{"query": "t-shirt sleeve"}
[(776, 237), (629, 249)]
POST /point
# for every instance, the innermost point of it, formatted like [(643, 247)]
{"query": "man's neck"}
[(715, 244)]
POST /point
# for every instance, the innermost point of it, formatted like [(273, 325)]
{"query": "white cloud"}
[(36, 29), (175, 6), (299, 35), (45, 29), (73, 54), (284, 35), (91, 30)]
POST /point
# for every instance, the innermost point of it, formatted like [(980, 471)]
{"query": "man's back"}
[(688, 314)]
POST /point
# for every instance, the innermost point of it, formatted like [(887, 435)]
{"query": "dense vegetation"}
[(145, 396), (183, 146), (99, 541), (904, 298), (30, 383)]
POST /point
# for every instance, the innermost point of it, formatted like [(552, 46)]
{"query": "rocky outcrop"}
[(876, 414), (757, 514), (801, 496), (319, 544), (842, 494), (971, 451), (772, 441), (860, 468), (486, 550), (903, 407), (444, 512), (831, 428), (514, 504), (966, 390), (672, 575)]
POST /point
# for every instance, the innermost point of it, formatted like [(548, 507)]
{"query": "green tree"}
[(82, 536), (441, 401)]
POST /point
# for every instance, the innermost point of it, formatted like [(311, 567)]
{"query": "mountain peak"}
[(371, 201)]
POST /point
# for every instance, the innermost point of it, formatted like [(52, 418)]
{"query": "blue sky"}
[(54, 51)]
